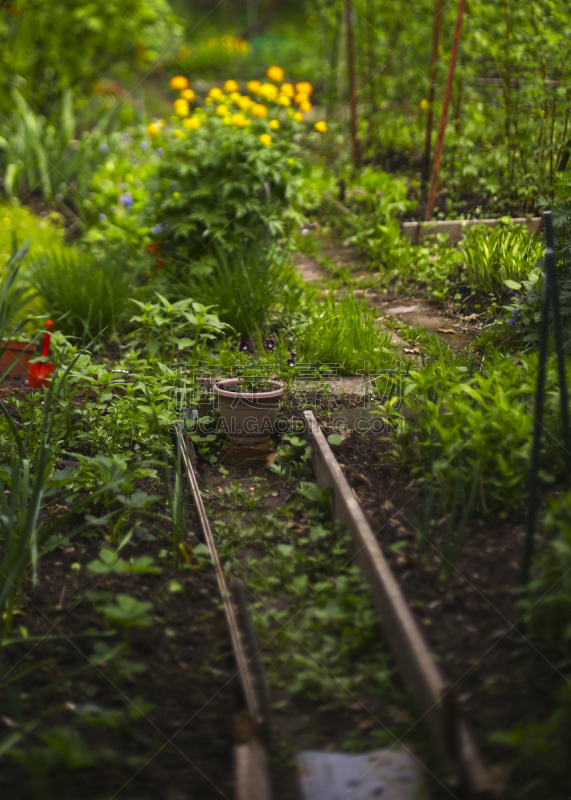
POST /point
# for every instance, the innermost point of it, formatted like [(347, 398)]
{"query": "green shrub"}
[(458, 419), (84, 293), (229, 179)]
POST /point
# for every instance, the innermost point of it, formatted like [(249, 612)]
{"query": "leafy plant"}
[(498, 257), (183, 324)]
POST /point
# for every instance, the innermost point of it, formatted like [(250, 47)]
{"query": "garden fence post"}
[(444, 116), (551, 265), (539, 401)]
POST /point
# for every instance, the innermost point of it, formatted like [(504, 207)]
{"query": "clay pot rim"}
[(13, 344), (219, 389)]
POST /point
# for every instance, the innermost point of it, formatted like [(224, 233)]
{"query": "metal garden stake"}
[(550, 296)]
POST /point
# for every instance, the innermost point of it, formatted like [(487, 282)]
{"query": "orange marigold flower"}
[(321, 126), (298, 116), (215, 92), (253, 86), (181, 107), (304, 86), (259, 110), (179, 83), (287, 89), (266, 139), (269, 91), (188, 94), (305, 106), (230, 86), (275, 74), (274, 124), (154, 129)]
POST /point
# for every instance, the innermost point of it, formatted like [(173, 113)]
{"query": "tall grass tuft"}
[(344, 331), (246, 287), (85, 294), (493, 256)]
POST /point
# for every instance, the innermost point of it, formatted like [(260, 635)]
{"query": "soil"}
[(470, 620), (181, 748)]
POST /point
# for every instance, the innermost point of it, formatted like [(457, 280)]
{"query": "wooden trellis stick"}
[(352, 95), (430, 109), (445, 106)]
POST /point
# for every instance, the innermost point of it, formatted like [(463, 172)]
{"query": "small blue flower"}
[(245, 346), (293, 356), (159, 151), (269, 344), (144, 145), (126, 200), (104, 148), (102, 217), (290, 362), (156, 229), (173, 183)]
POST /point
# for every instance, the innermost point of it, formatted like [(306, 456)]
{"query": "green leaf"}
[(335, 439)]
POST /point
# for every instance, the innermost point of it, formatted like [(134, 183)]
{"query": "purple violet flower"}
[(104, 148), (245, 346), (126, 200), (269, 344), (156, 229), (159, 151), (102, 217), (293, 356)]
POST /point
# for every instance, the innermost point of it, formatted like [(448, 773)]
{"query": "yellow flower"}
[(230, 86), (222, 110), (321, 126), (191, 124), (304, 86), (208, 101), (275, 74), (179, 134), (215, 92), (274, 124), (305, 106), (253, 86), (227, 120), (269, 91), (244, 102), (258, 110), (298, 116), (424, 104), (266, 139), (181, 107), (188, 94), (154, 129), (235, 96), (287, 89), (301, 97), (239, 120), (283, 100), (179, 83)]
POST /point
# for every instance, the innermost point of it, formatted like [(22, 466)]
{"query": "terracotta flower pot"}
[(248, 417), (15, 360)]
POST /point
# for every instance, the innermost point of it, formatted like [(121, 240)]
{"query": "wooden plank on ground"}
[(452, 739)]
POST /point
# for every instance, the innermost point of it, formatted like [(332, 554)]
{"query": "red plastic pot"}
[(16, 358), (40, 372)]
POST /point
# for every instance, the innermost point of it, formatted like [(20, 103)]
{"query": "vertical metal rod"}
[(539, 400), (551, 265), (430, 109), (445, 106), (352, 95)]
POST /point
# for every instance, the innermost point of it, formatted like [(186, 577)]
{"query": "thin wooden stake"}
[(445, 106), (430, 110), (352, 95)]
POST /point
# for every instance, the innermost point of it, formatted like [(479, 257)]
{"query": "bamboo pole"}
[(430, 110), (352, 93), (445, 106)]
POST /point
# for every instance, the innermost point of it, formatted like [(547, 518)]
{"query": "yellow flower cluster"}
[(237, 110)]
